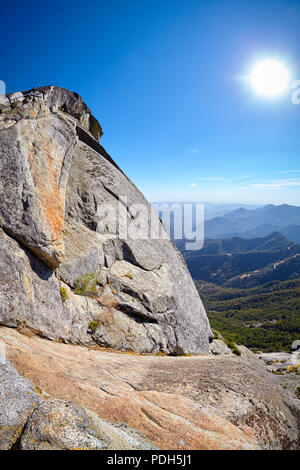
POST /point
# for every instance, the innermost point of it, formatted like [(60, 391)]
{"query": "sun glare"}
[(270, 78)]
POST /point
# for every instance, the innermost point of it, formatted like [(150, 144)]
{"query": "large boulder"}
[(62, 425), (29, 291), (218, 347), (17, 402), (68, 211)]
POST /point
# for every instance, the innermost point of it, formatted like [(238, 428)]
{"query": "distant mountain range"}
[(219, 210), (211, 210), (244, 263), (236, 220), (257, 222), (248, 274)]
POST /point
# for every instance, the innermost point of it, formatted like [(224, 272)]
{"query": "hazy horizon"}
[(217, 203)]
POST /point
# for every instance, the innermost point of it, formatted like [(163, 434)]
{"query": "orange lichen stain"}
[(51, 200), (45, 170)]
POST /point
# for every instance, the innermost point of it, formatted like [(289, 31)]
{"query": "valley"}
[(250, 287), (265, 318)]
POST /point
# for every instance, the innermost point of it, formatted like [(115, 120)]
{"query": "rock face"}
[(67, 211), (35, 155), (200, 402)]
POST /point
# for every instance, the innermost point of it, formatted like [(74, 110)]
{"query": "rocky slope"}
[(31, 420), (198, 402), (61, 218)]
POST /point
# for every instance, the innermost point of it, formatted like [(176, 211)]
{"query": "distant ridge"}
[(241, 262), (256, 223)]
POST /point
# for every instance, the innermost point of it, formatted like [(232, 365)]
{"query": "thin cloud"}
[(273, 184), (222, 178), (192, 150), (290, 171), (192, 185), (211, 178)]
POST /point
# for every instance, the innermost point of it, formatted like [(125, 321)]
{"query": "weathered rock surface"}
[(60, 199), (29, 291), (159, 283), (36, 144), (30, 297), (62, 425), (35, 155), (286, 368), (17, 402), (30, 420), (200, 402), (217, 346)]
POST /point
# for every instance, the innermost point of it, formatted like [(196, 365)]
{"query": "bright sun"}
[(270, 78)]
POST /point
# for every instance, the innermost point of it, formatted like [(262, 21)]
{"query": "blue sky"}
[(166, 79)]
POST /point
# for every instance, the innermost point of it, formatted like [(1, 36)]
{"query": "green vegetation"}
[(253, 293), (265, 318), (87, 285), (234, 348), (216, 334), (229, 343), (93, 325), (297, 392), (63, 294)]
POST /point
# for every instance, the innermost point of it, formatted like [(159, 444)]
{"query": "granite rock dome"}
[(56, 183)]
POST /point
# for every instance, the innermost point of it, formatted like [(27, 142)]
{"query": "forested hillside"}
[(265, 317)]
